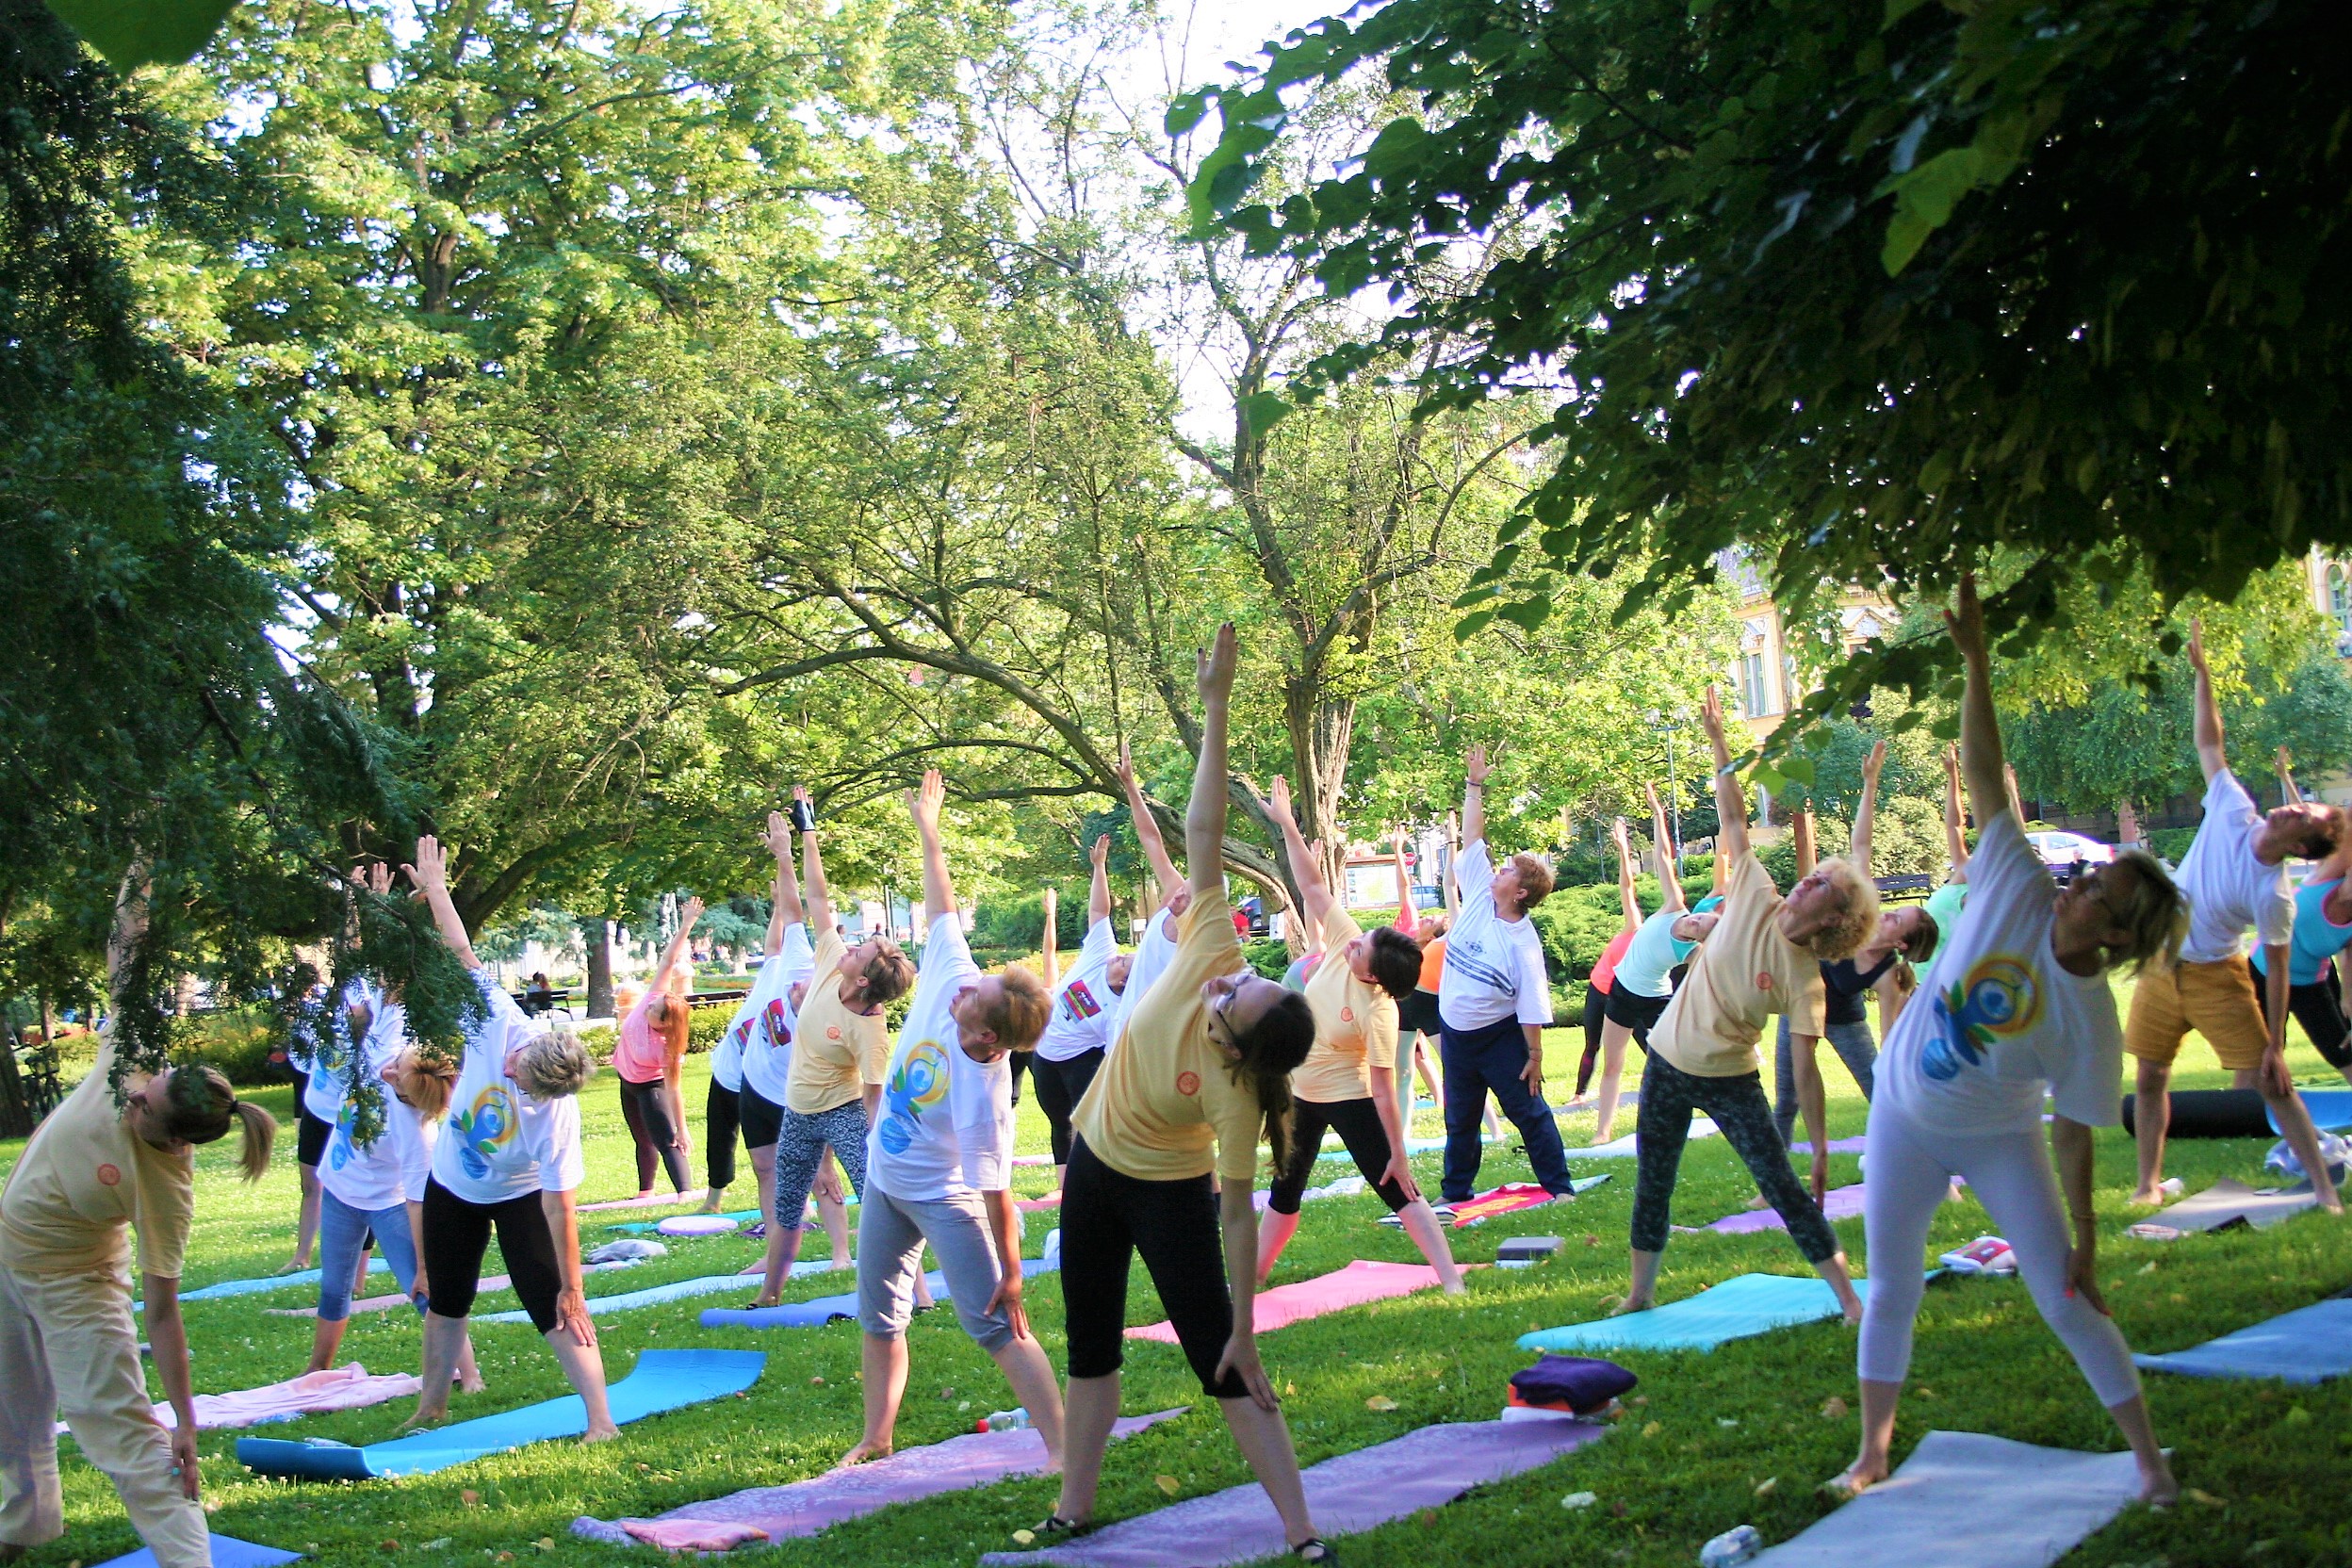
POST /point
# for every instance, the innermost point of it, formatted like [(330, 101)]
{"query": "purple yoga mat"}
[(1355, 1492), (803, 1508), (1844, 1204)]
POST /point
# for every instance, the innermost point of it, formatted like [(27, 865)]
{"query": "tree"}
[(1884, 292)]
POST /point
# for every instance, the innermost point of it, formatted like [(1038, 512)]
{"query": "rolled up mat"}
[(696, 1225), (662, 1381), (227, 1552), (2331, 1110), (1740, 1306), (1360, 1282), (676, 1290), (2208, 1114), (1968, 1500), (646, 1227), (2310, 1345), (1354, 1491), (827, 1309), (911, 1475)]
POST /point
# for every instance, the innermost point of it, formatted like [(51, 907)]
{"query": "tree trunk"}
[(16, 1110), (599, 937)]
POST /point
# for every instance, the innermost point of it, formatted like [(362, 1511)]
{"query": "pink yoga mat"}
[(803, 1508), (1355, 1492), (1352, 1286), (653, 1201), (1502, 1199), (1844, 1204), (312, 1394), (1038, 1205)]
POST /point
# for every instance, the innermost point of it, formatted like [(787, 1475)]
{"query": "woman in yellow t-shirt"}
[(68, 1344), (1202, 1068), (1348, 1081)]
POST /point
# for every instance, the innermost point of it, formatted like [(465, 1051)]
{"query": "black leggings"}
[(2319, 1008), (647, 1109), (1358, 1123), (719, 1120), (1106, 1219), (456, 1234), (1019, 1065), (1595, 1019), (1060, 1086), (1669, 1095)]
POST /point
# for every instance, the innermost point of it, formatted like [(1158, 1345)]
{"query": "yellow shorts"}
[(2216, 1000)]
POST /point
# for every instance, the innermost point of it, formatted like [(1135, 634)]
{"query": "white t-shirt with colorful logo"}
[(368, 1177), (1082, 1008), (498, 1142), (946, 1124), (1997, 1023), (2227, 889), (765, 1023)]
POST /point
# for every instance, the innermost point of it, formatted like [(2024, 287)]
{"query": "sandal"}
[(1316, 1551), (1055, 1527)]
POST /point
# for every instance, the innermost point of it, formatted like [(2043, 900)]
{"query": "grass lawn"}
[(1684, 1465)]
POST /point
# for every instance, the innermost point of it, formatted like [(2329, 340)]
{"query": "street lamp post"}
[(1659, 722)]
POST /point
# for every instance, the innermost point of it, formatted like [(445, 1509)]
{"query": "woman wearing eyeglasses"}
[(2015, 1006), (1202, 1071)]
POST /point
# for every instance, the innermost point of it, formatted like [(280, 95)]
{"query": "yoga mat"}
[(1844, 1204), (1412, 1146), (1969, 1500), (496, 1282), (2206, 1114), (2230, 1203), (653, 1296), (661, 1380), (1345, 1186), (696, 1225), (1352, 1286), (2310, 1345), (1622, 1149), (803, 1508), (1502, 1199), (2330, 1109), (1038, 1205), (1354, 1491), (651, 1201), (312, 1394), (250, 1287), (227, 1552), (825, 1308), (641, 1227), (1743, 1305)]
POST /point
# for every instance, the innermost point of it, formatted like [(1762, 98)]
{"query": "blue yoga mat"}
[(227, 1552), (2310, 1345), (825, 1309), (1746, 1304), (662, 1381), (2330, 1109), (251, 1287), (676, 1290), (1412, 1146)]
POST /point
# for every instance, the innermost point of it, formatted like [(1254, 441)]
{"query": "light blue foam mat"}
[(2310, 1345), (828, 1309), (639, 1226), (227, 1552), (676, 1290), (1742, 1305), (2330, 1109), (1412, 1146), (662, 1381), (252, 1287)]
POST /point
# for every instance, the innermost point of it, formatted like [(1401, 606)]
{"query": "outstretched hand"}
[(430, 871), (1965, 618), (2196, 644), (780, 836), (1617, 832), (1213, 668), (1101, 855), (1126, 767), (1474, 767), (1278, 801), (689, 912), (1712, 712), (923, 802)]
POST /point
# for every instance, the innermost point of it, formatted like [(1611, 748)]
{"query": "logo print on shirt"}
[(832, 1031), (484, 1130), (109, 1175), (1346, 1014), (1998, 998), (1187, 1083), (777, 1023), (1079, 1002), (918, 1084), (340, 1149), (1763, 979)]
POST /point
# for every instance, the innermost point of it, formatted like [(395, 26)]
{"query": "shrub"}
[(1268, 957), (2172, 843), (239, 1042)]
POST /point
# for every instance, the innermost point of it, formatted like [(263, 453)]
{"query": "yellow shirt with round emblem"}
[(836, 1052), (86, 1180), (1744, 973), (1355, 1024)]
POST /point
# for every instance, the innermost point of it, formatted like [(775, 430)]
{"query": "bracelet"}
[(1477, 784), (804, 817)]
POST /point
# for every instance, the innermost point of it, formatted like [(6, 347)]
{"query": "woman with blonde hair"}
[(96, 1170), (2017, 1008), (650, 1058)]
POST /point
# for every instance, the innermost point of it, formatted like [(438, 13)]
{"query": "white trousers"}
[(1910, 1172), (68, 1347)]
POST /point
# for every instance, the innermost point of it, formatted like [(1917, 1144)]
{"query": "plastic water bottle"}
[(1731, 1548), (1013, 1420)]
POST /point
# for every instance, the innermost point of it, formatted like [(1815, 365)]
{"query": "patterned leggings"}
[(800, 1145), (1738, 1105)]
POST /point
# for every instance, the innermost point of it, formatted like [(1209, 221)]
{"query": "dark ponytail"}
[(1270, 1052)]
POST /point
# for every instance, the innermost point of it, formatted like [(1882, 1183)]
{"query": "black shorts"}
[(1060, 1086), (2319, 1008), (762, 1119), (1635, 1011), (1359, 1126), (310, 1138), (1417, 1015), (457, 1232), (1109, 1217)]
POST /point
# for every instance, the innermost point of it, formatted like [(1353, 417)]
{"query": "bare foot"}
[(294, 1264), (714, 1203), (1631, 1303), (2145, 1198), (840, 1263), (1850, 1304), (1860, 1478), (869, 1449), (765, 1300), (2157, 1487), (1758, 1201), (1604, 1134), (1457, 1288), (471, 1384), (425, 1417)]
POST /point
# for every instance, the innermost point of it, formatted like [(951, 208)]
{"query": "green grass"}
[(1672, 1474)]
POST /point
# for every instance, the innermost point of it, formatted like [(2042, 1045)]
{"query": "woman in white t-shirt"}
[(723, 1110), (508, 1158), (2015, 1006), (1070, 1051)]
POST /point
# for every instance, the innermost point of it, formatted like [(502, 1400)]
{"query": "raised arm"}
[(1449, 885), (682, 943), (816, 892), (938, 894), (2210, 753), (1405, 911), (1731, 808), (1956, 842), (1628, 903), (430, 876), (1981, 762), (1099, 890), (1808, 846), (2287, 791), (1148, 828), (787, 885), (1474, 771), (1302, 860), (1669, 874), (1866, 814), (1050, 956), (1204, 814)]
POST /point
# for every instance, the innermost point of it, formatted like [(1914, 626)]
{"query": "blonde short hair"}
[(1843, 937), (554, 1065)]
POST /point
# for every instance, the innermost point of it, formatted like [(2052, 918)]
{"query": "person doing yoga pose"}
[(649, 1057), (2234, 875), (1764, 956), (1201, 1070), (1604, 978), (1647, 974), (939, 1163), (723, 1110), (508, 1158), (96, 1170), (2322, 928), (1070, 1052), (841, 1055), (1346, 1082), (319, 1054), (2016, 1006)]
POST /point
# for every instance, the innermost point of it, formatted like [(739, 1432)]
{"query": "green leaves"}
[(132, 32)]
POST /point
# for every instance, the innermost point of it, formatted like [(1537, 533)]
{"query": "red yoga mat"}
[(1510, 1196)]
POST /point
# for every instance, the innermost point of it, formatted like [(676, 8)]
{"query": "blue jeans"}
[(1478, 1060), (1854, 1047), (341, 1229)]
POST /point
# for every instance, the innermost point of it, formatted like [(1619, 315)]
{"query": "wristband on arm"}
[(804, 817)]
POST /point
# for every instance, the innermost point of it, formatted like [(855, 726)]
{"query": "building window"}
[(1754, 698), (2340, 608)]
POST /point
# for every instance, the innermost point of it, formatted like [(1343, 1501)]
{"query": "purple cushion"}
[(1580, 1382)]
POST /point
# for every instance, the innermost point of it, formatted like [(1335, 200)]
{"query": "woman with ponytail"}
[(93, 1173), (651, 1058), (1201, 1070)]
